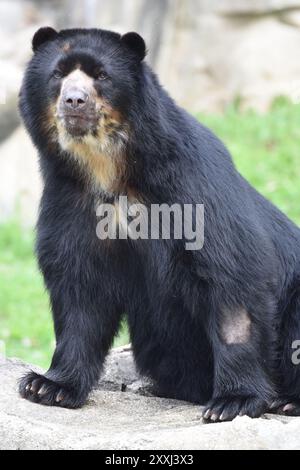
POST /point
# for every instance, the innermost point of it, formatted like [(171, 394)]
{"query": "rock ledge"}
[(130, 419)]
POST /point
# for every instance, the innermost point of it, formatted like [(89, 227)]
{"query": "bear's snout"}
[(76, 104), (75, 99)]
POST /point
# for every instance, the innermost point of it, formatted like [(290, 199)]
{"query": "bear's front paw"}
[(227, 408), (285, 405), (38, 389)]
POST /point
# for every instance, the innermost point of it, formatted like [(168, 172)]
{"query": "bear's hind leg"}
[(288, 402), (241, 343)]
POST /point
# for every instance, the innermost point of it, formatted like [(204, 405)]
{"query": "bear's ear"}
[(136, 43), (43, 35)]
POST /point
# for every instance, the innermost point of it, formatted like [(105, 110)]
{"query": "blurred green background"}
[(265, 148)]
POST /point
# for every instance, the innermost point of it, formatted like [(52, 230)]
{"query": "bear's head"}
[(80, 87)]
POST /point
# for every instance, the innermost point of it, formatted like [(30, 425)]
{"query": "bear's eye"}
[(57, 73), (101, 75)]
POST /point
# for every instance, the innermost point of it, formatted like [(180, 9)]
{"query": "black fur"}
[(175, 300), (41, 36), (136, 43)]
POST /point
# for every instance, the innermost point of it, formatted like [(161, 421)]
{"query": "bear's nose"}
[(76, 98)]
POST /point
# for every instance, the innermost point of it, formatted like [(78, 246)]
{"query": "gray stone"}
[(118, 420), (291, 18), (236, 7), (9, 117), (20, 181)]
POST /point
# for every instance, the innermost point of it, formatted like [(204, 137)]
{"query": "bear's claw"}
[(39, 389)]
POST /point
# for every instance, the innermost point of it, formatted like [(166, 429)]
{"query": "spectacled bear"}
[(214, 326)]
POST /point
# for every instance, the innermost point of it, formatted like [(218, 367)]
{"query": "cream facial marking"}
[(104, 170), (91, 131), (236, 326), (79, 80), (66, 47)]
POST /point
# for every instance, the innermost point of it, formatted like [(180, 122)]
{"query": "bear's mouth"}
[(78, 125)]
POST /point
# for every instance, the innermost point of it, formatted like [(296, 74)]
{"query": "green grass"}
[(25, 322), (266, 151), (26, 329)]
